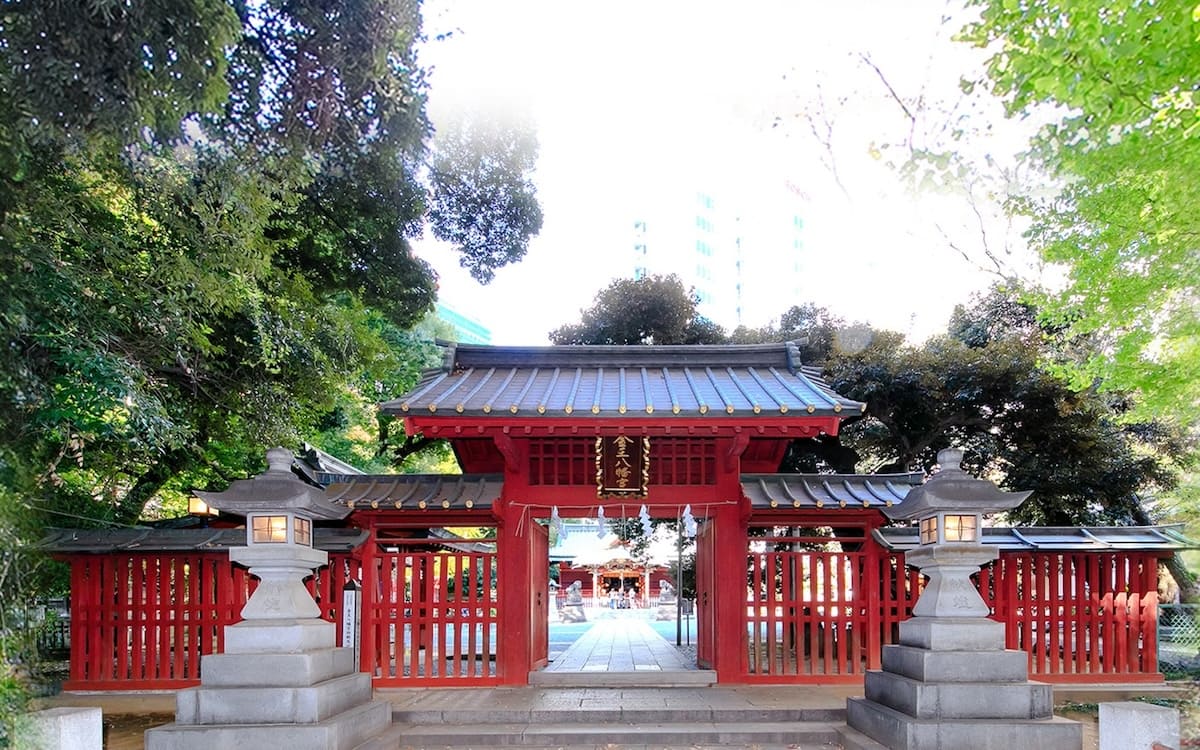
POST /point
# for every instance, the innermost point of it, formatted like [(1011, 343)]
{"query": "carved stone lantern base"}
[(950, 683)]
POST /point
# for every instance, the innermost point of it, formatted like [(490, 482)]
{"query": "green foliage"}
[(649, 310), (983, 388), (21, 576), (1121, 81), (482, 201), (817, 333), (205, 213)]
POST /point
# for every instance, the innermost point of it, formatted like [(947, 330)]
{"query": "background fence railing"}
[(1179, 639)]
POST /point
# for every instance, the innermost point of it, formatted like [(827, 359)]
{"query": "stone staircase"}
[(614, 718)]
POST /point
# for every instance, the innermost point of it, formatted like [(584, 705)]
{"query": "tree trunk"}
[(1189, 585), (150, 482)]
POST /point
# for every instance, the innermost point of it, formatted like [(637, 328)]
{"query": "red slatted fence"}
[(142, 621), (1082, 617), (814, 616), (429, 618)]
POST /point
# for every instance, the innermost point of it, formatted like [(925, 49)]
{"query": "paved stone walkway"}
[(627, 645)]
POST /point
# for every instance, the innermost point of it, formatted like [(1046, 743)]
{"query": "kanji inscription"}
[(622, 466)]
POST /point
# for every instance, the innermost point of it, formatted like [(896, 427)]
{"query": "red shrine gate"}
[(796, 581)]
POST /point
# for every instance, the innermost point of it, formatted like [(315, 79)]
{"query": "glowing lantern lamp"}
[(949, 510), (197, 507)]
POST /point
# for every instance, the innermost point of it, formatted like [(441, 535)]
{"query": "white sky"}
[(640, 93)]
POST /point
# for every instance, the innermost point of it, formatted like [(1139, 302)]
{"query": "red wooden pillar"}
[(368, 610), (730, 549), (513, 636)]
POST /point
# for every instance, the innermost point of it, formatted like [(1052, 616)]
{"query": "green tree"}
[(205, 225), (483, 200), (982, 387), (649, 310), (1120, 82)]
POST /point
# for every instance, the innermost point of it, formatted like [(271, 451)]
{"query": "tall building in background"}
[(469, 330), (740, 249)]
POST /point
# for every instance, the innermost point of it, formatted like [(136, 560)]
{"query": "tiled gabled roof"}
[(626, 381), (417, 491), (801, 491)]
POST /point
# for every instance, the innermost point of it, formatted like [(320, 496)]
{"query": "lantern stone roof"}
[(275, 490), (101, 541), (828, 490), (953, 490), (1058, 539), (630, 382)]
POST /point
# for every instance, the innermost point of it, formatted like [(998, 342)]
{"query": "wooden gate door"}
[(706, 610), (539, 588)]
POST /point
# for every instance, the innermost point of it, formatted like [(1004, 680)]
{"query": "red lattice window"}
[(572, 461), (558, 461), (683, 461)]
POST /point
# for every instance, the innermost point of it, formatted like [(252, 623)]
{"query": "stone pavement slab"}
[(628, 645)]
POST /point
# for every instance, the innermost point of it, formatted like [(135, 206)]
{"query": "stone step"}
[(625, 715), (648, 678), (576, 734)]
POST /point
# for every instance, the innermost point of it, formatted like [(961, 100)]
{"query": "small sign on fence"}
[(350, 620)]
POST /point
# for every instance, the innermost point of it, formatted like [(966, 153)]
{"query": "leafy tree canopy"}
[(1121, 82), (649, 310), (483, 200), (982, 387), (205, 214)]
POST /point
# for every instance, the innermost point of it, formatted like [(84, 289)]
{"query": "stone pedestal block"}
[(280, 684), (61, 729), (960, 700), (573, 613), (898, 731), (279, 636), (345, 731), (276, 670), (956, 666), (279, 705), (1129, 725), (951, 684), (952, 633)]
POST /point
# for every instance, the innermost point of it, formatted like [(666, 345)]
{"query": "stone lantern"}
[(281, 681), (949, 510), (280, 509), (950, 682)]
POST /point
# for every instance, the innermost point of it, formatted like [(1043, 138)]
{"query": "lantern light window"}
[(269, 529), (961, 528), (197, 507), (302, 531)]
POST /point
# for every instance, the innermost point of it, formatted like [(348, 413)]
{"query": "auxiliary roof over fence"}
[(1042, 539)]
